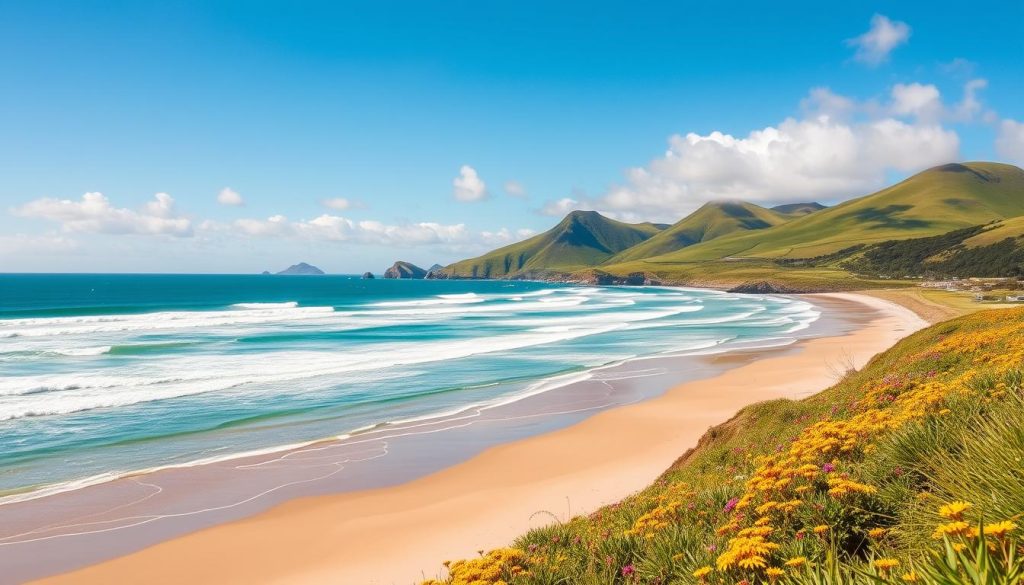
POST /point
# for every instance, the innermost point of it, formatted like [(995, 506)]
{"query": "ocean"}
[(103, 375)]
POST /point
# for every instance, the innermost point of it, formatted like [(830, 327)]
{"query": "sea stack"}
[(406, 270), (301, 269), (368, 276)]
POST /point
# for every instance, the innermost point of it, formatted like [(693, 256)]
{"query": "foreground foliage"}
[(911, 471)]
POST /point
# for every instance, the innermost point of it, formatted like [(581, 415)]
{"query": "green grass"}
[(727, 244), (712, 220), (732, 273), (583, 239), (936, 419), (1010, 228), (933, 202)]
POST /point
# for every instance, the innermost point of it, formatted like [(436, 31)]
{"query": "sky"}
[(237, 137)]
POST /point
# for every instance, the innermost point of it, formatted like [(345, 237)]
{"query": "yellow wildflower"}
[(796, 562), (702, 572), (954, 510), (886, 564), (876, 533), (1000, 529), (821, 529)]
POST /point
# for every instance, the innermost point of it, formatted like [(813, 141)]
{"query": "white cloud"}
[(915, 99), (818, 158), (94, 214), (468, 186), (337, 203), (874, 46), (334, 228), (515, 189), (505, 236), (958, 66), (1010, 141), (229, 196), (36, 244), (970, 106), (562, 206), (839, 148)]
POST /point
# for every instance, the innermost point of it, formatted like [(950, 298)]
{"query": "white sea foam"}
[(84, 351), (191, 375), (276, 371), (284, 305)]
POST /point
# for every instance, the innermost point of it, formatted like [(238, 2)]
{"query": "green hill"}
[(797, 209), (932, 202), (583, 239), (711, 221), (993, 251)]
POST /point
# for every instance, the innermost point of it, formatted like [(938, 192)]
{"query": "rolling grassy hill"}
[(798, 247), (583, 239), (929, 203), (711, 221), (797, 209)]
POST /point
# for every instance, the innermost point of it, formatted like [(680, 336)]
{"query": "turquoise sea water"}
[(106, 374)]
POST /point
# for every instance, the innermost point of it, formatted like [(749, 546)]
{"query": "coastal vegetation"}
[(907, 471), (583, 239), (968, 217)]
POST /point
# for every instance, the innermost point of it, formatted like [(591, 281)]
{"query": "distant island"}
[(405, 270), (301, 269)]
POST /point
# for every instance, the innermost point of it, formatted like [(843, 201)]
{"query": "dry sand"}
[(403, 533)]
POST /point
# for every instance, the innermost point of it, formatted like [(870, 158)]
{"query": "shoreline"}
[(495, 496)]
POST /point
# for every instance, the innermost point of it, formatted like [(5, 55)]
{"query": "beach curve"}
[(403, 533)]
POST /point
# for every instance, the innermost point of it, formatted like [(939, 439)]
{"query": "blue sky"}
[(339, 129)]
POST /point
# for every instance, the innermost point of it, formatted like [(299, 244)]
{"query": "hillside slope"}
[(712, 220), (932, 202), (796, 209), (904, 472), (582, 239)]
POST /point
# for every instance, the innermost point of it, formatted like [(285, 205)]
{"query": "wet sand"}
[(403, 532)]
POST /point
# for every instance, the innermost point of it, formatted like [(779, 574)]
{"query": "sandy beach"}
[(403, 533)]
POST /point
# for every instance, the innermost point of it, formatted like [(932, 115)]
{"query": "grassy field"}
[(933, 202), (712, 220), (726, 244), (582, 239), (909, 471)]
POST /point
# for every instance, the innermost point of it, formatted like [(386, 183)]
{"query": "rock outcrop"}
[(762, 287), (368, 276), (301, 269), (406, 270)]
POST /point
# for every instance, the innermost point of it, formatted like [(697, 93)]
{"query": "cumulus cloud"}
[(874, 46), (563, 206), (916, 99), (468, 186), (334, 228), (47, 243), (840, 147), (505, 236), (970, 106), (515, 189), (93, 213), (1010, 141), (229, 196)]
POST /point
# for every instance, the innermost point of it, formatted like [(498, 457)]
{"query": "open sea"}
[(102, 375)]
